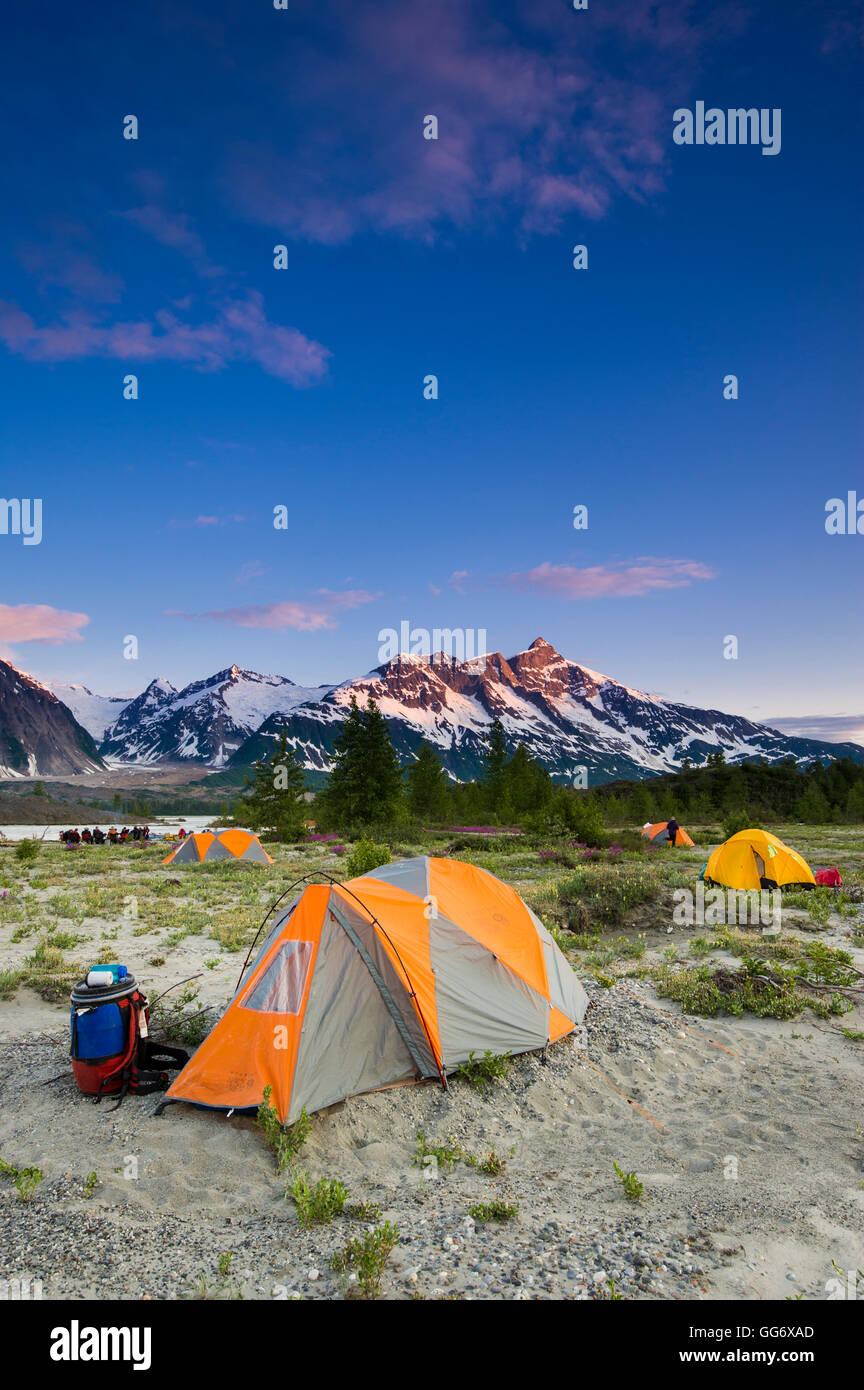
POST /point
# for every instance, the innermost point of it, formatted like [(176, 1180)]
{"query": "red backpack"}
[(828, 878), (110, 1043)]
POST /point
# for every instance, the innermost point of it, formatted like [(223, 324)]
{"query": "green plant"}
[(27, 850), (444, 1155), (91, 1182), (285, 1140), (26, 1180), (203, 1289), (319, 1203), (366, 1256), (633, 1188), (734, 822), (491, 1164), (480, 1072), (363, 1211), (364, 857), (494, 1210), (181, 1018)]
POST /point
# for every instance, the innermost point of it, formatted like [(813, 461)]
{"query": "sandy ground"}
[(754, 1185)]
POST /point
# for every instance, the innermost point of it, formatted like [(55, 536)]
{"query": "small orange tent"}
[(219, 844), (659, 834), (395, 976)]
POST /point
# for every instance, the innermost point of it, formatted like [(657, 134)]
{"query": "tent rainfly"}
[(396, 976), (219, 844)]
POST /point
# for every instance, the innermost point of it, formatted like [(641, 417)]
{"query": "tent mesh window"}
[(280, 988)]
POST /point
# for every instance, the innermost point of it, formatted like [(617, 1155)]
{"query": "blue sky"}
[(303, 387)]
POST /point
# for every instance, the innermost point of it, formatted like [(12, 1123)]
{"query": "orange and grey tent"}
[(757, 859), (219, 844), (659, 834), (396, 976)]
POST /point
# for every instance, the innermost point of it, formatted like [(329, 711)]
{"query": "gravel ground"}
[(753, 1185)]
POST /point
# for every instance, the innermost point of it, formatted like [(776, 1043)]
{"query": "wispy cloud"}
[(833, 728), (253, 569), (206, 520), (302, 616), (39, 622), (531, 126), (172, 229), (56, 265), (622, 580), (239, 331)]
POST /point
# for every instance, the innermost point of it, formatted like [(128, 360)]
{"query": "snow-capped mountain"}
[(95, 713), (568, 716), (39, 736), (205, 722)]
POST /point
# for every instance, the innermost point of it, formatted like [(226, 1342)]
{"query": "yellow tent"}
[(756, 859)]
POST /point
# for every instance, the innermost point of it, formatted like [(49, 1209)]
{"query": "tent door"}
[(382, 989)]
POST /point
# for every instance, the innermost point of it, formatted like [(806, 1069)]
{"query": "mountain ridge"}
[(585, 727)]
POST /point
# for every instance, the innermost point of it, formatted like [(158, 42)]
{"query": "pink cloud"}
[(174, 230), (287, 614), (240, 331), (38, 622), (55, 265), (610, 581), (530, 124)]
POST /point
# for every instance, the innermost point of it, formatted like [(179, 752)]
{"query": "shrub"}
[(495, 1210), (26, 851), (633, 1188), (366, 856), (605, 894), (285, 1140), (26, 1179), (366, 1257), (735, 821), (480, 1072), (444, 1155), (319, 1203)]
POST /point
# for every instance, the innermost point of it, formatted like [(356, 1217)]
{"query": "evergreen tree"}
[(494, 770), (384, 779), (427, 785), (344, 797), (275, 799), (365, 783)]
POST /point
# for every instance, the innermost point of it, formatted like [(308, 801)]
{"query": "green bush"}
[(285, 1140), (26, 851), (366, 1257), (734, 822), (319, 1203), (366, 856)]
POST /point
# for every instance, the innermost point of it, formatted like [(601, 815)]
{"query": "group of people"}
[(101, 837)]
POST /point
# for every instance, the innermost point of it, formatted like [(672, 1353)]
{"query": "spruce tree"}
[(275, 799), (365, 783), (494, 770), (383, 777), (344, 797), (427, 785)]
